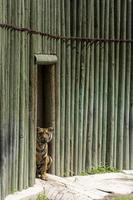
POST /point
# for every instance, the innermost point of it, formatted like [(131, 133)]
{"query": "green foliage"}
[(99, 170), (124, 198), (42, 197)]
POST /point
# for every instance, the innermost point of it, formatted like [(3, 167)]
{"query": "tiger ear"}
[(38, 129), (51, 129)]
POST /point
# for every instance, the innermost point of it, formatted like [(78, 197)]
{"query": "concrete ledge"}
[(89, 187), (41, 59)]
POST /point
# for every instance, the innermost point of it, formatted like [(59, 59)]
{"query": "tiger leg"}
[(49, 162), (44, 169)]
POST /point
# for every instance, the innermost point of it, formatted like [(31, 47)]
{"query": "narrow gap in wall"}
[(45, 98)]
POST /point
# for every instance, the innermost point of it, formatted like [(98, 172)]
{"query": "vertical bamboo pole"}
[(77, 82), (57, 94), (68, 89), (96, 86), (16, 73), (82, 88), (6, 80), (131, 116), (117, 60), (110, 129), (102, 46), (22, 105), (53, 25), (86, 101), (127, 92), (91, 96), (2, 117), (0, 113), (48, 25), (8, 84), (63, 70), (131, 98), (32, 98), (122, 89), (11, 79), (73, 69), (105, 87), (26, 145)]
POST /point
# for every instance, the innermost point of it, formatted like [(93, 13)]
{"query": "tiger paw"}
[(44, 177)]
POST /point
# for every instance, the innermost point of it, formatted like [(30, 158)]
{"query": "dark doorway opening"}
[(45, 96)]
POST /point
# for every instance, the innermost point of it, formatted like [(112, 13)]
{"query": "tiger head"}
[(44, 135)]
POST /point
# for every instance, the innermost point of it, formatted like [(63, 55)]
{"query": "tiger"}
[(43, 160)]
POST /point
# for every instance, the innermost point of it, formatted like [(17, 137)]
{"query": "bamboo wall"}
[(94, 87)]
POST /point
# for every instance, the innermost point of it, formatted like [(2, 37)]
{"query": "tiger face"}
[(44, 135)]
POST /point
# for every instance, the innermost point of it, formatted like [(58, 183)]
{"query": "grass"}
[(41, 197), (124, 198), (120, 197), (99, 170)]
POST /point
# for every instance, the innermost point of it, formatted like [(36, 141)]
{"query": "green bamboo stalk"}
[(117, 60), (13, 124), (91, 95), (86, 100), (27, 157), (110, 129), (77, 78), (131, 93), (105, 87), (22, 105), (121, 90), (6, 79), (51, 25), (57, 94), (3, 188), (68, 89), (100, 116), (8, 96), (127, 92), (96, 87), (53, 28), (82, 88), (32, 99), (63, 69), (0, 104), (131, 117), (11, 110), (73, 69)]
